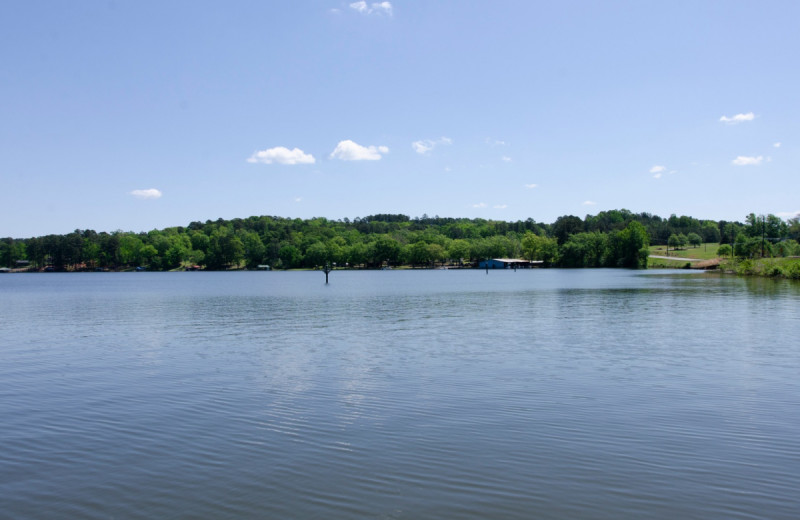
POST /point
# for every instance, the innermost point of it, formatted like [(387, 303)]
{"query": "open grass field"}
[(704, 252)]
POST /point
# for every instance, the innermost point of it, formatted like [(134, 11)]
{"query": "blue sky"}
[(141, 115)]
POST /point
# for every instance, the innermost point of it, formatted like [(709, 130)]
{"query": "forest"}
[(616, 238)]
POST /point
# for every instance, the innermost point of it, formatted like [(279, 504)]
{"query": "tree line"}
[(616, 238)]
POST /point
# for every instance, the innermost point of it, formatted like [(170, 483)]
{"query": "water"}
[(576, 394)]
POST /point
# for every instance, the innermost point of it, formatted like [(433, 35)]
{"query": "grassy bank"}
[(769, 267), (663, 263)]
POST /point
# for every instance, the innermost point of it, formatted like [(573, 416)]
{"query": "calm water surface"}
[(548, 394)]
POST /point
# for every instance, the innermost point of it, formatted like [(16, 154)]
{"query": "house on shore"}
[(508, 263)]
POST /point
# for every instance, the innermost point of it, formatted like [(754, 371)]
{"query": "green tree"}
[(724, 250), (316, 255), (357, 254), (225, 249), (530, 246), (109, 249), (385, 248), (458, 250), (91, 252), (200, 241), (337, 250), (585, 250), (630, 246), (674, 242), (793, 228), (535, 247), (289, 256), (176, 255), (254, 248), (195, 257), (694, 239), (418, 254), (499, 246), (785, 248), (710, 232), (10, 251), (130, 250), (747, 246), (566, 226), (437, 253), (776, 228), (147, 255)]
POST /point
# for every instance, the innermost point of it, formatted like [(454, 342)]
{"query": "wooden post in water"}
[(327, 269)]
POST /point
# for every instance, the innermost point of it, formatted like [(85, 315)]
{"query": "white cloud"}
[(479, 205), (152, 193), (589, 203), (506, 158), (448, 169), (386, 7), (426, 145), (747, 161), (658, 169), (657, 175), (298, 199), (777, 145), (422, 147), (350, 151), (788, 214), (281, 155), (495, 142), (500, 206), (531, 186), (738, 118), (377, 7)]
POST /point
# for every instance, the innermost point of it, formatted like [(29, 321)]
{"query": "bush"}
[(786, 248), (745, 267), (792, 270)]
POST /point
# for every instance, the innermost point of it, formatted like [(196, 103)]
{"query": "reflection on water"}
[(435, 394)]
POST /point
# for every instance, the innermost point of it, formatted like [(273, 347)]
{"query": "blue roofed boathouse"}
[(509, 263)]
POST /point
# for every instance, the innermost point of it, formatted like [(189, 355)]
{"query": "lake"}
[(545, 393)]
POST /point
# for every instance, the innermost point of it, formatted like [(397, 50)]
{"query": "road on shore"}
[(676, 258)]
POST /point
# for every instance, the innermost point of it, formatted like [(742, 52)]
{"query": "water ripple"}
[(546, 394)]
